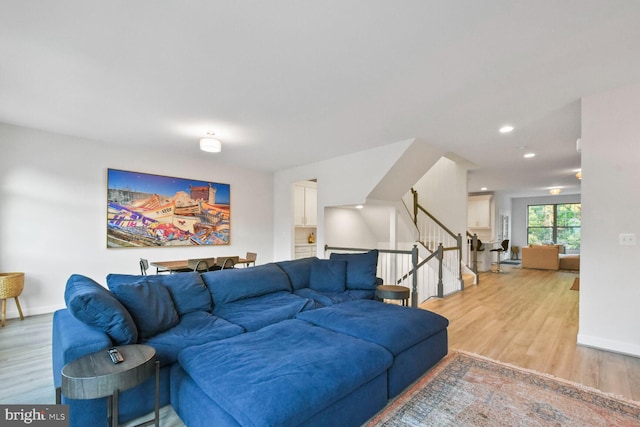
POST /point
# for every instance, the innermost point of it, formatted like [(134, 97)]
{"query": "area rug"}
[(511, 262), (576, 284), (470, 390)]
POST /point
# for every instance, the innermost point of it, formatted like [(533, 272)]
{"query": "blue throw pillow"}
[(361, 269), (187, 290), (94, 305), (298, 271), (150, 305), (328, 276)]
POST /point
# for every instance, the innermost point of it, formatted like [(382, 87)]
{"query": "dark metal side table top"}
[(95, 375), (393, 292)]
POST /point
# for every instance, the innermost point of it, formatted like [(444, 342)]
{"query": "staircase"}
[(431, 234)]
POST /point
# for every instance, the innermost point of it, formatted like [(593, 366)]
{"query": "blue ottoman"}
[(288, 374), (416, 338)]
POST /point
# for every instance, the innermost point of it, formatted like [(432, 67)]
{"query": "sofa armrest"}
[(72, 339)]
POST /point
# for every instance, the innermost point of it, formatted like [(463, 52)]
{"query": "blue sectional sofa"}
[(282, 344)]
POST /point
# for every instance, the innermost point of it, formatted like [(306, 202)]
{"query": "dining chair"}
[(144, 266), (251, 258), (202, 264), (227, 262)]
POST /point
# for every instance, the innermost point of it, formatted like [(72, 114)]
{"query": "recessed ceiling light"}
[(359, 206), (483, 189), (555, 191), (506, 129), (529, 155)]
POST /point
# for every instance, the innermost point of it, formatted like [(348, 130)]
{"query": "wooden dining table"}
[(189, 264)]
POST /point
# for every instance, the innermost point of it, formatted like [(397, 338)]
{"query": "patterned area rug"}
[(469, 390)]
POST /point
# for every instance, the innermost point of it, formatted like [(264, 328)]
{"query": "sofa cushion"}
[(198, 327), (328, 275), (392, 326), (187, 290), (256, 313), (150, 305), (298, 271), (239, 283), (294, 369), (361, 269), (96, 306), (327, 299)]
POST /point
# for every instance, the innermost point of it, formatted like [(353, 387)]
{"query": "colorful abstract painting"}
[(152, 210)]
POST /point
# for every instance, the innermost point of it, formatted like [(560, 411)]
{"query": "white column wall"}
[(609, 285)]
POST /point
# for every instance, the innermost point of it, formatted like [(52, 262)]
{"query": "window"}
[(555, 224)]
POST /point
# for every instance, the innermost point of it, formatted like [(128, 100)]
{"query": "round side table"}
[(94, 376), (393, 292)]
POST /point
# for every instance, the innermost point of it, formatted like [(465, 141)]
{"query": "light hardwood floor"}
[(529, 318), (26, 373)]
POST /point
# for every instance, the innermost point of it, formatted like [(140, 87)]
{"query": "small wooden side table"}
[(393, 292), (94, 376)]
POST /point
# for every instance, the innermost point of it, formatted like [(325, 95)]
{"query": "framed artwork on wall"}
[(145, 210)]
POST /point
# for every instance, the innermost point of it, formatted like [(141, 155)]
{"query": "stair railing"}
[(432, 233), (472, 254), (438, 254)]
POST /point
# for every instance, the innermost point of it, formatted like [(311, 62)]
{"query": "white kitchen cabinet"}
[(479, 211), (305, 251), (305, 212)]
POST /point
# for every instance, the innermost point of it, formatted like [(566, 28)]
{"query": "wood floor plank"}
[(530, 318)]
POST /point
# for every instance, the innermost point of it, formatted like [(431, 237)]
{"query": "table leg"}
[(19, 308), (114, 409), (58, 395), (157, 409), (110, 411)]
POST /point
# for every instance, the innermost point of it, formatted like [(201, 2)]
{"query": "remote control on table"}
[(115, 355)]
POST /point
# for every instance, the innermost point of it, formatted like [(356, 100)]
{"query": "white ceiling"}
[(286, 83)]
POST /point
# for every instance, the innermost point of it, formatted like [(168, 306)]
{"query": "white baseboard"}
[(609, 345), (12, 312)]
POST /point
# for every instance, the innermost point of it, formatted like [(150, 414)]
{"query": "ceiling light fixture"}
[(210, 144), (506, 129), (483, 189), (529, 155), (579, 174), (555, 191), (359, 206)]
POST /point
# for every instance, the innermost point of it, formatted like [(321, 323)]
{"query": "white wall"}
[(342, 181), (609, 285), (443, 192), (519, 210), (53, 193), (346, 227)]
